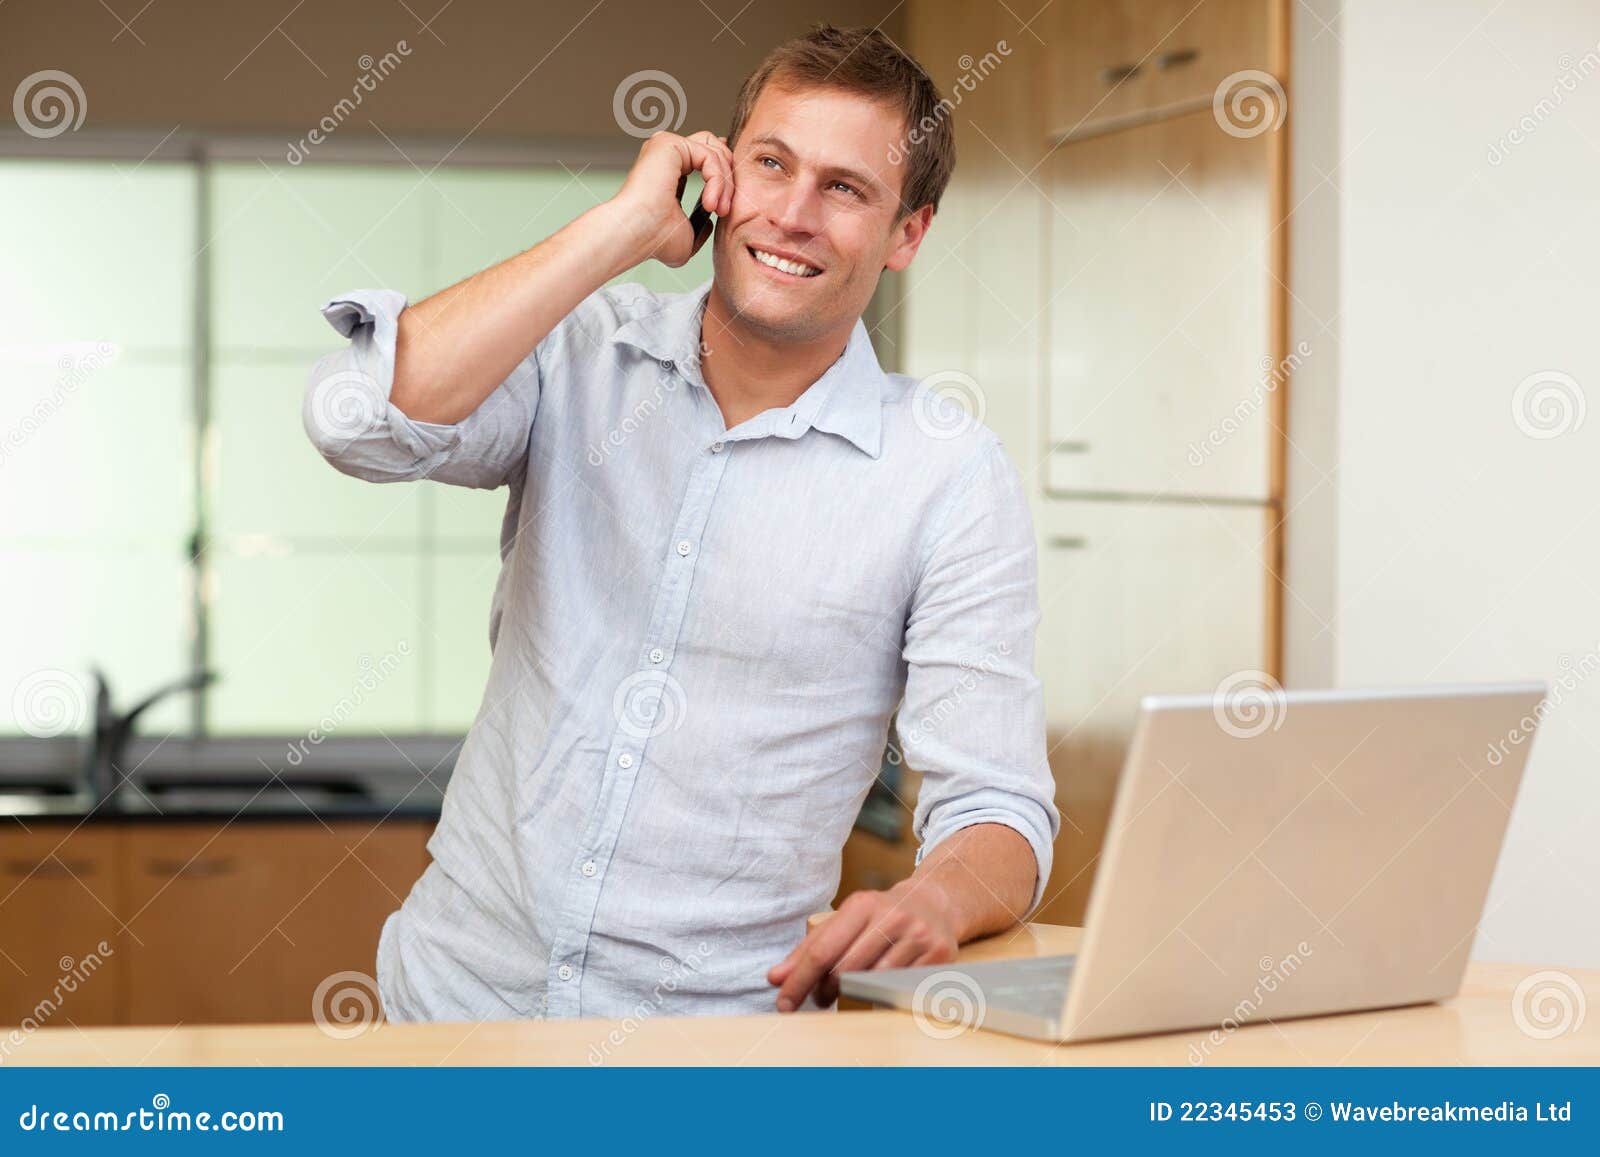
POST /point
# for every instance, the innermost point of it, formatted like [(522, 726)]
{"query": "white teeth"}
[(792, 267)]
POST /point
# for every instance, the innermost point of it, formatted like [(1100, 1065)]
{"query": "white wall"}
[(1458, 258)]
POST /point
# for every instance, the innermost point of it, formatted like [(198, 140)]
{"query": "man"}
[(733, 545)]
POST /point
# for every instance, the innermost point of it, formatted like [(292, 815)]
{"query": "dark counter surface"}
[(247, 779)]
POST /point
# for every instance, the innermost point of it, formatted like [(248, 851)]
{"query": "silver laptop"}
[(1294, 854)]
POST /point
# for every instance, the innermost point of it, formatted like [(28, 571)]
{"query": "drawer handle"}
[(1067, 542), (1118, 73), (1078, 447), (1177, 59), (53, 868), (190, 869)]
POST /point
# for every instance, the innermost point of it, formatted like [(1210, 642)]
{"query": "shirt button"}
[(624, 760), (717, 447), (588, 867), (666, 363), (684, 547), (657, 654), (565, 972)]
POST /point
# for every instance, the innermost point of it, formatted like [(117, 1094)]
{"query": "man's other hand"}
[(910, 924)]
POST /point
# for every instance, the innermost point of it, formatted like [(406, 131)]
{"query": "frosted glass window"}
[(101, 449), (456, 645), (311, 580), (71, 606), (96, 438), (284, 240), (308, 636), (98, 251), (487, 215), (268, 480)]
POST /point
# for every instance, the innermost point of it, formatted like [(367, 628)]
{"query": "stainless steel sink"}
[(41, 797), (211, 793)]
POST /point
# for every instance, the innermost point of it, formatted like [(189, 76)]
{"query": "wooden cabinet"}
[(242, 924), (1107, 268), (210, 922), (1113, 62), (63, 952), (1137, 598), (871, 863), (1160, 338)]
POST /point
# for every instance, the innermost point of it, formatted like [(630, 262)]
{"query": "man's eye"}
[(764, 160), (851, 189)]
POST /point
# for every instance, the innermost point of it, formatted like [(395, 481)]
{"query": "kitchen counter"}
[(1476, 1028), (243, 779)]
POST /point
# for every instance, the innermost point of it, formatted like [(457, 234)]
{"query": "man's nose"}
[(798, 210)]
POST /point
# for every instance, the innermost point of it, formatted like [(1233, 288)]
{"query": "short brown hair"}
[(865, 61)]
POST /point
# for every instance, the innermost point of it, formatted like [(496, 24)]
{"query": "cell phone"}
[(700, 218)]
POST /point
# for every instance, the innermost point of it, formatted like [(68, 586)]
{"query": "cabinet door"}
[(1160, 339), (63, 954), (1137, 598), (1114, 61), (240, 924)]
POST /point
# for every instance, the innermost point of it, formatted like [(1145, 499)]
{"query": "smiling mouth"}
[(798, 270)]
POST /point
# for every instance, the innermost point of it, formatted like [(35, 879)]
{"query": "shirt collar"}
[(847, 400)]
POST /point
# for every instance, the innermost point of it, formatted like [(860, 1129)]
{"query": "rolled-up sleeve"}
[(352, 423), (972, 721)]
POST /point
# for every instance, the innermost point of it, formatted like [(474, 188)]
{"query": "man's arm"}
[(979, 880), (455, 347), (972, 722), (448, 388)]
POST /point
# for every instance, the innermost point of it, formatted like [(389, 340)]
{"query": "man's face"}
[(813, 188)]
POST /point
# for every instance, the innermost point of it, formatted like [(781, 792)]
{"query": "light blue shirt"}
[(700, 636)]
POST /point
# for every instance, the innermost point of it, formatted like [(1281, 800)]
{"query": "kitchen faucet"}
[(103, 776)]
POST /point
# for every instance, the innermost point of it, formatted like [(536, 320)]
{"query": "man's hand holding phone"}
[(650, 196)]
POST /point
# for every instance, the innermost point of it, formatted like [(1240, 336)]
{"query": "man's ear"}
[(908, 234)]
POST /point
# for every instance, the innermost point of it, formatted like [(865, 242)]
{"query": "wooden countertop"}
[(1476, 1028)]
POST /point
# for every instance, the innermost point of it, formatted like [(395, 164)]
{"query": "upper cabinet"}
[(1160, 340), (1113, 61)]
